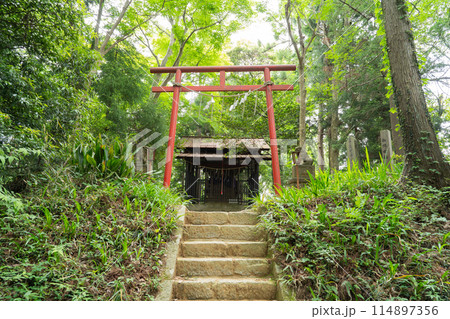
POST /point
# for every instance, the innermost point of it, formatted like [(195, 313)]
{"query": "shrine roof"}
[(221, 143)]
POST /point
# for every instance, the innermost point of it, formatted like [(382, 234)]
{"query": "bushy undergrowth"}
[(103, 158), (81, 237), (360, 235)]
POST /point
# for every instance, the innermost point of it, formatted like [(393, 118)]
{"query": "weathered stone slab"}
[(234, 232), (386, 145), (205, 218), (216, 266), (243, 218), (302, 173), (250, 249), (223, 249), (225, 289), (221, 218), (352, 151)]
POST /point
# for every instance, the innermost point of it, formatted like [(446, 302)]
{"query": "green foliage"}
[(16, 164), (21, 152), (359, 235), (42, 64), (79, 238), (104, 158), (199, 29), (40, 26), (124, 86), (43, 67), (249, 117), (355, 63)]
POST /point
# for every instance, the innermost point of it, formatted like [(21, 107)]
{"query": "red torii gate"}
[(268, 88)]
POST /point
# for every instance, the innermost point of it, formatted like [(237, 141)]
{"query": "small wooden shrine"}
[(222, 170)]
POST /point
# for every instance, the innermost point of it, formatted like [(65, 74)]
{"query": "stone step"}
[(216, 266), (210, 288), (234, 232), (221, 218), (223, 249)]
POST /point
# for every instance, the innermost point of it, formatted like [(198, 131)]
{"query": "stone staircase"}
[(223, 256)]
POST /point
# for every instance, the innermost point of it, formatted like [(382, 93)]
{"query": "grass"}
[(77, 236), (360, 235)]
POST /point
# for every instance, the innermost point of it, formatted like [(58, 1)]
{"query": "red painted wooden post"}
[(222, 79), (272, 133), (172, 129)]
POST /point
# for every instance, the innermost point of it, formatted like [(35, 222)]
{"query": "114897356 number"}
[(380, 310)]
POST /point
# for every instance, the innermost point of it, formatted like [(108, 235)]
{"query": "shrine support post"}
[(172, 129)]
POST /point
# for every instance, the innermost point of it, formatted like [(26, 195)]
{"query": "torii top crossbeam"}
[(226, 68), (222, 69), (268, 87)]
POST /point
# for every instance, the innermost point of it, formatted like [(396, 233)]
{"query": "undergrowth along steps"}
[(223, 256)]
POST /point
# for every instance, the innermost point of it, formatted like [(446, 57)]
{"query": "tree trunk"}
[(97, 25), (320, 133), (424, 162), (397, 140), (333, 148), (300, 50), (100, 46), (302, 111), (103, 47), (333, 132)]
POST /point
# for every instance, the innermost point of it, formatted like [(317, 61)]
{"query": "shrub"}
[(103, 159), (359, 235), (71, 238)]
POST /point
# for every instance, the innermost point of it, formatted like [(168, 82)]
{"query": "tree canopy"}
[(82, 67)]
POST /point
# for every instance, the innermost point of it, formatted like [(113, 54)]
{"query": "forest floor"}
[(361, 235), (354, 235), (71, 236)]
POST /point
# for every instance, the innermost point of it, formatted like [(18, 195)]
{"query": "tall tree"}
[(192, 32), (345, 79), (424, 162), (301, 21), (113, 26), (115, 22), (124, 86), (43, 64), (333, 132)]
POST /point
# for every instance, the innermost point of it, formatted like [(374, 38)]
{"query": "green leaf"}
[(90, 160)]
